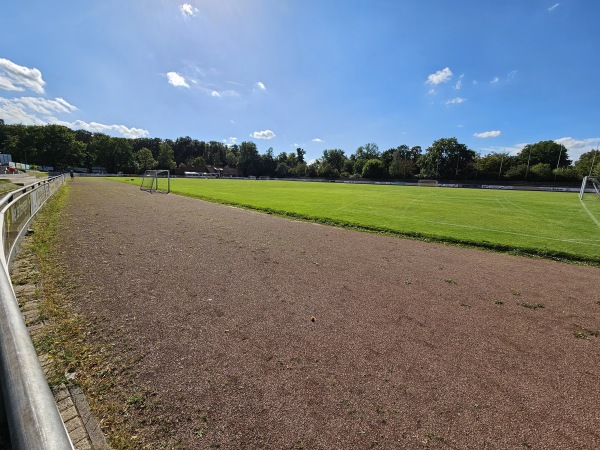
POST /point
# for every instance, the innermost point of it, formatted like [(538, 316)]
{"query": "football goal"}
[(156, 181), (590, 184), (428, 183)]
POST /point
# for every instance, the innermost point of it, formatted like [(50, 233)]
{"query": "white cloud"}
[(488, 134), (495, 80), (577, 147), (317, 140), (188, 10), (267, 134), (40, 111), (33, 110), (230, 140), (455, 101), (45, 106), (229, 93), (96, 127), (18, 78), (441, 76), (176, 80), (458, 85), (511, 74), (214, 94), (15, 112), (553, 7), (260, 86)]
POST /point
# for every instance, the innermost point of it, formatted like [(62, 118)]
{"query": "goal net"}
[(590, 184), (428, 183), (156, 181)]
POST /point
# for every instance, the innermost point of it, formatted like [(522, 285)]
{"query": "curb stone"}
[(82, 426)]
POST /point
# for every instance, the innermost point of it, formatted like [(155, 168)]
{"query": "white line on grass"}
[(596, 221), (575, 241)]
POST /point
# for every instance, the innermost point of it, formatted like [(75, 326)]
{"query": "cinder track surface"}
[(259, 332)]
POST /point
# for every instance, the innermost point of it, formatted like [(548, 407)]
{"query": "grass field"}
[(548, 224)]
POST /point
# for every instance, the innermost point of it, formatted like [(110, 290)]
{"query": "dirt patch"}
[(251, 331)]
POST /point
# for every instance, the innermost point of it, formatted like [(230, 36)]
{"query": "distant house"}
[(230, 172), (210, 172), (5, 159)]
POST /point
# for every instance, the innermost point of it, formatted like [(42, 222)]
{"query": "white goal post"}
[(591, 184), (428, 183), (156, 181)]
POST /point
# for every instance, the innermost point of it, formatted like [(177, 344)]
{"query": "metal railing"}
[(33, 418)]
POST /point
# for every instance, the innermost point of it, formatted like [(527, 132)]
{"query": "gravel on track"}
[(255, 331)]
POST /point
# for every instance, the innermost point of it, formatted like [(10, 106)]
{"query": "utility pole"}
[(558, 163)]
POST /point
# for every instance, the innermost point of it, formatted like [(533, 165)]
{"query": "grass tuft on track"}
[(552, 225)]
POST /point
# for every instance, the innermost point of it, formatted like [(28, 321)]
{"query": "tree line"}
[(446, 159)]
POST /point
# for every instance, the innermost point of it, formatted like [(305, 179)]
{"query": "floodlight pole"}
[(457, 161), (500, 172), (593, 162), (528, 159), (558, 163)]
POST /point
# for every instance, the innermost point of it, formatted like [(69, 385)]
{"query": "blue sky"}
[(316, 74)]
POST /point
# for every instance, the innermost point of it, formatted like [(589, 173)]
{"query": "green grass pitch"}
[(548, 224)]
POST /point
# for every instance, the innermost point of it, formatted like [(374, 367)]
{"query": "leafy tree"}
[(489, 166), (183, 149), (113, 153), (269, 164), (166, 158), (292, 160), (366, 152), (55, 145), (335, 158), (541, 172), (326, 170), (373, 168), (546, 152), (153, 144), (403, 162), (300, 155), (145, 159), (249, 159), (199, 163), (299, 170), (215, 153), (565, 174), (312, 169), (446, 159), (362, 155), (231, 158), (584, 164), (282, 170), (516, 172)]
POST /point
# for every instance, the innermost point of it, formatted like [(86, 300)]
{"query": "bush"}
[(373, 168), (541, 171), (566, 174)]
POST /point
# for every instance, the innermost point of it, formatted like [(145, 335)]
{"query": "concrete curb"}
[(83, 428)]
